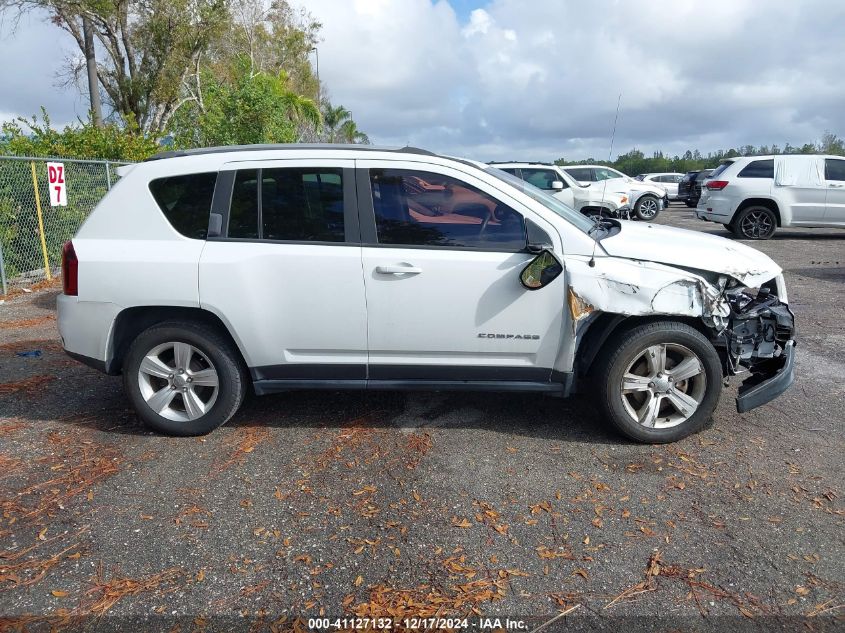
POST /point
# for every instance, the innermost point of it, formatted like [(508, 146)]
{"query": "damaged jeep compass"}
[(205, 273)]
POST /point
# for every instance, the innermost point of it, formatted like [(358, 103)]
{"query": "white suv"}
[(647, 199), (553, 180), (204, 273), (754, 195), (668, 181)]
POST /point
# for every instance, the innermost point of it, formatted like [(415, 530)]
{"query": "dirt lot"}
[(395, 504)]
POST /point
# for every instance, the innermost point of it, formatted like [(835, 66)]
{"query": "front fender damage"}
[(752, 327), (638, 288)]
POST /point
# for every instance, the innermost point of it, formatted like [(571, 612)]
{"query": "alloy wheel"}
[(178, 381), (648, 208), (757, 224), (663, 386)]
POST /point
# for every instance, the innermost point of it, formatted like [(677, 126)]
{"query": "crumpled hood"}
[(691, 249)]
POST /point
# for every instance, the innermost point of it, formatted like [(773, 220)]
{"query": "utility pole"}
[(319, 87), (91, 64)]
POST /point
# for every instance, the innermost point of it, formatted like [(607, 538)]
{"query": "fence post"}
[(108, 176), (40, 222), (3, 270)]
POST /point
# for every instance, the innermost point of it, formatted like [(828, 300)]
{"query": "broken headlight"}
[(759, 325)]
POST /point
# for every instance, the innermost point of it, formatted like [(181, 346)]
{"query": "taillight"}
[(716, 185), (70, 270)]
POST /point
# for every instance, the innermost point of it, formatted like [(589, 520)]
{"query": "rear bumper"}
[(767, 385), (85, 328)]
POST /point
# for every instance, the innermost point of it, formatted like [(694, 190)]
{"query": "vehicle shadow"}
[(836, 273), (102, 406)]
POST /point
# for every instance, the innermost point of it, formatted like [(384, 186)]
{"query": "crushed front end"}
[(759, 338)]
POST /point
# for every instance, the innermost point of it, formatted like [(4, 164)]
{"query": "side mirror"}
[(541, 271), (557, 185)]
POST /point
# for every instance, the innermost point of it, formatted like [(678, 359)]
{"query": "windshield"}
[(569, 214)]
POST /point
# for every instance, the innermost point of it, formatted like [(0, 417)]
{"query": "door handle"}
[(398, 269), (835, 184)]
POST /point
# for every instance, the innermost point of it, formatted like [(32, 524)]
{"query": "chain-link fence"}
[(32, 229)]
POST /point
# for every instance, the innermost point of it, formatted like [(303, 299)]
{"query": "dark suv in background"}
[(689, 189)]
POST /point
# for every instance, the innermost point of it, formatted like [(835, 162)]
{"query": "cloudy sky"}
[(513, 79)]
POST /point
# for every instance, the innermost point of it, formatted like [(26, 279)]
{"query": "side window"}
[(834, 169), (581, 174), (243, 212), (758, 169), (542, 178), (186, 202), (302, 204), (417, 208), (606, 174)]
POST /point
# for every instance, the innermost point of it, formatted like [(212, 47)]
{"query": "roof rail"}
[(532, 162), (284, 146)]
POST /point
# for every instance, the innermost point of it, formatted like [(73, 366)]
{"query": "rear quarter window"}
[(758, 169), (721, 168), (186, 201)]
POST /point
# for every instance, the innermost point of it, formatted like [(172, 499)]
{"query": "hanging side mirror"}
[(541, 271)]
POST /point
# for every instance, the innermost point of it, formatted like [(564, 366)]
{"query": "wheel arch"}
[(607, 325), (769, 203), (130, 322)]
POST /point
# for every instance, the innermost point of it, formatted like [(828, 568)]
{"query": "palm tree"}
[(333, 119), (338, 126), (351, 134)]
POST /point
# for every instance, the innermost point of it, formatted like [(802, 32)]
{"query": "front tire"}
[(659, 382), (755, 223), (183, 378), (647, 208)]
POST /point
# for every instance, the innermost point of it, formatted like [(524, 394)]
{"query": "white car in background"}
[(646, 199), (586, 199), (668, 181)]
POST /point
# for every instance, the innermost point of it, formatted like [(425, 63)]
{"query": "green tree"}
[(350, 133), (338, 126), (248, 107), (832, 144), (149, 49), (37, 137)]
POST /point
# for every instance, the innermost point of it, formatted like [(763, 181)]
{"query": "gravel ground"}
[(406, 504)]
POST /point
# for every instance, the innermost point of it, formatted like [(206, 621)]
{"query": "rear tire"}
[(661, 400), (690, 204), (183, 378), (755, 223)]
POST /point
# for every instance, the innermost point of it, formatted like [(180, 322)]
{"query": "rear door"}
[(799, 187), (442, 256), (834, 176), (285, 274)]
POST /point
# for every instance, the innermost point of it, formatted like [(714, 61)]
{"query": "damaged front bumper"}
[(760, 339), (765, 387)]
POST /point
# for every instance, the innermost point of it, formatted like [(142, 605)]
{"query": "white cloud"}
[(540, 79)]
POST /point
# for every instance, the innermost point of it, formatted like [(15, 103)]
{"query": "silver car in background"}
[(668, 181)]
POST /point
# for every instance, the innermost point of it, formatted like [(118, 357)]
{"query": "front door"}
[(285, 275), (443, 251)]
